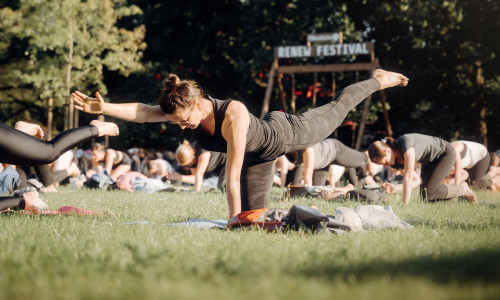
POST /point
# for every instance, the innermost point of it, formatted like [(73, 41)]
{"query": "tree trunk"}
[(480, 101), (49, 118), (69, 67), (282, 94)]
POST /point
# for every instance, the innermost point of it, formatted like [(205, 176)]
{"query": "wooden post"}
[(49, 118), (269, 89), (282, 95), (362, 123), (76, 118), (386, 113), (294, 97), (479, 101), (334, 87), (314, 88)]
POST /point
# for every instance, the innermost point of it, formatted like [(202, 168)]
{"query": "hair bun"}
[(170, 84)]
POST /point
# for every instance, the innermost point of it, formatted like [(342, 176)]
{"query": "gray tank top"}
[(427, 148), (265, 138)]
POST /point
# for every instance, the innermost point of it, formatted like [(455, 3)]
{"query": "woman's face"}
[(187, 117), (98, 155), (387, 159)]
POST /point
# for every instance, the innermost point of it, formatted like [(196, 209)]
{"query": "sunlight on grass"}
[(453, 252)]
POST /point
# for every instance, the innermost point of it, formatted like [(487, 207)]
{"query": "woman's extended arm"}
[(109, 159), (134, 112), (458, 146), (233, 130), (201, 167), (308, 159), (409, 169)]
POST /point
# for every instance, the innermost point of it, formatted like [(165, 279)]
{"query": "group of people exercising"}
[(248, 148)]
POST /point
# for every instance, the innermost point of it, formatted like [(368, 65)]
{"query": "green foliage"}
[(438, 44), (53, 47), (451, 253)]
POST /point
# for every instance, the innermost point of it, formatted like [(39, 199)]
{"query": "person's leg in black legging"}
[(479, 170), (256, 182), (297, 174), (433, 175), (27, 200), (12, 202), (23, 179), (352, 176), (49, 177), (19, 148), (309, 128), (319, 176)]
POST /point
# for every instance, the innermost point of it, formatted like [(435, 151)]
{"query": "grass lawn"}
[(453, 252)]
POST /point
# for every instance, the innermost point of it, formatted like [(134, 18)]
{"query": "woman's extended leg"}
[(309, 128), (349, 157), (433, 175), (19, 148), (29, 200), (479, 170)]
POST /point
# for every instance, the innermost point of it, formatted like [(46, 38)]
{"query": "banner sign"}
[(324, 37), (324, 50)]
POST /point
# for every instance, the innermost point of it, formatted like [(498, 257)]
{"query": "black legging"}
[(19, 148), (46, 175), (300, 132), (478, 170), (434, 173)]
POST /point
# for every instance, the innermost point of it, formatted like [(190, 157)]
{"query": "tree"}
[(55, 46), (450, 51)]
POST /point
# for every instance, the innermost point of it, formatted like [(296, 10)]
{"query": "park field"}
[(453, 252)]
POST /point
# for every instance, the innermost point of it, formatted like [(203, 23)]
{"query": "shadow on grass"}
[(474, 266)]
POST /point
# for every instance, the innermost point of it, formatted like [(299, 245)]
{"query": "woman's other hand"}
[(88, 104), (389, 188)]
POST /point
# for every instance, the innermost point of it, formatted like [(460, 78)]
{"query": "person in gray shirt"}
[(437, 157)]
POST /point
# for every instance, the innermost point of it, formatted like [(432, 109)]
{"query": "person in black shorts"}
[(19, 147), (252, 145), (437, 158), (200, 163), (115, 162)]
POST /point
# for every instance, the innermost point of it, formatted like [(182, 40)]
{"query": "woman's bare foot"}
[(29, 128), (469, 194), (106, 128), (49, 189), (389, 79), (31, 200)]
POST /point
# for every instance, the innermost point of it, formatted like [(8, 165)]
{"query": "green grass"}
[(452, 253)]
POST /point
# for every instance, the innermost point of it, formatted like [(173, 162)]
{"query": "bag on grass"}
[(372, 196), (101, 180), (265, 218)]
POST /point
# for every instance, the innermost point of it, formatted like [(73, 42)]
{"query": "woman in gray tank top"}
[(251, 144), (437, 157), (314, 162)]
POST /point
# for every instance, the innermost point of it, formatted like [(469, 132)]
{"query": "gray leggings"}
[(300, 132), (478, 171), (434, 173), (344, 156)]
